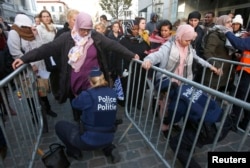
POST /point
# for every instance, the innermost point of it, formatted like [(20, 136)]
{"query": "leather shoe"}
[(3, 151), (74, 155)]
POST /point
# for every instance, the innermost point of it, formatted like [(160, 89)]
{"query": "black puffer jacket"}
[(60, 48)]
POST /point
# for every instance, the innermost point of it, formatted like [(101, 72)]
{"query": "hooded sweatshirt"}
[(151, 26)]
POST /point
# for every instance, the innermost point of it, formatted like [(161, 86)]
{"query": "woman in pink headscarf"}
[(176, 55)]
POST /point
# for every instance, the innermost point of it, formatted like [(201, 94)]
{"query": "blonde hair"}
[(72, 12), (102, 26), (98, 81)]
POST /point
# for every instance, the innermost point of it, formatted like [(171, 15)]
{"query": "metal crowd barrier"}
[(143, 116), (22, 131), (233, 79)]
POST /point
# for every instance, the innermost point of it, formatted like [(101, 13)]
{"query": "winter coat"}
[(168, 57), (215, 47), (60, 48)]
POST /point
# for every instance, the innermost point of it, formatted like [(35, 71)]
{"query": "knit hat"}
[(238, 19), (22, 20), (194, 14), (95, 71), (84, 21)]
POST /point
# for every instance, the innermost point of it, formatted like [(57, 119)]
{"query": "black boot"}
[(46, 106), (113, 152)]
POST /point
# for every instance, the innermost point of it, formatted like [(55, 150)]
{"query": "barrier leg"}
[(126, 131)]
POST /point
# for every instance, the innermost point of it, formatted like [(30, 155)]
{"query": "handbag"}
[(42, 87), (55, 157), (118, 88)]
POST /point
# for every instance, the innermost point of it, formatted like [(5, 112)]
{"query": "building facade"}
[(9, 8), (57, 8), (177, 9)]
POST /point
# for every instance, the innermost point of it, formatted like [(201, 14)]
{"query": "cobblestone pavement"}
[(135, 152), (133, 149)]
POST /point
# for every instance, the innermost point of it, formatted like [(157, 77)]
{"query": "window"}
[(52, 9), (159, 10), (44, 7), (60, 9)]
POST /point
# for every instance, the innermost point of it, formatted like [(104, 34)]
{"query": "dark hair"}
[(212, 13), (40, 15), (138, 19), (104, 17), (163, 23), (115, 22), (194, 14)]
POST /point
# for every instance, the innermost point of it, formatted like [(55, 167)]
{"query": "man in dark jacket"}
[(194, 20), (151, 25)]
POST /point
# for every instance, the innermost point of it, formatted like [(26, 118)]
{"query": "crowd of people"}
[(83, 59)]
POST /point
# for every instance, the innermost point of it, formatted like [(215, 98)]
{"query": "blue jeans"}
[(69, 134)]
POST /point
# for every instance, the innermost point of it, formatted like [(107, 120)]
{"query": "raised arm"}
[(239, 43)]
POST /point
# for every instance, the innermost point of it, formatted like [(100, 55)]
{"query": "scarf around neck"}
[(183, 52), (77, 54), (24, 32)]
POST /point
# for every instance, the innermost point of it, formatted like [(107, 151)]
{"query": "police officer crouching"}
[(97, 128)]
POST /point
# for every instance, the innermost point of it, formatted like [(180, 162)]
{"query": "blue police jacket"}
[(198, 100), (99, 108)]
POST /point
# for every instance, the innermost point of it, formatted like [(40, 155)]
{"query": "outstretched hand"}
[(18, 62), (137, 57), (217, 71)]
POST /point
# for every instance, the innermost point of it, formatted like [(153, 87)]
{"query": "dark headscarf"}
[(129, 34)]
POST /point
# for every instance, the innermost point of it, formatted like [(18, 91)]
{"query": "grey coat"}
[(168, 56)]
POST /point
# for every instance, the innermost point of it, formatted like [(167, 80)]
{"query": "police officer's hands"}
[(146, 64), (18, 62)]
